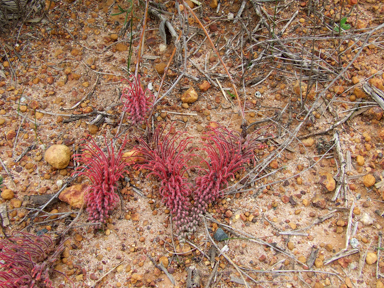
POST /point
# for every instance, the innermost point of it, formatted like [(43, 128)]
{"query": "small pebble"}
[(354, 243), (220, 235), (7, 194), (16, 203), (360, 160), (78, 237), (164, 260), (366, 219), (318, 263), (160, 68), (120, 268), (292, 225), (371, 258), (339, 230), (369, 180), (302, 259)]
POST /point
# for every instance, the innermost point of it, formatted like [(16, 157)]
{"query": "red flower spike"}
[(104, 171), (135, 103), (227, 153), (26, 260), (164, 156)]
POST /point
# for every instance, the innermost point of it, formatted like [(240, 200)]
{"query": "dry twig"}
[(86, 95), (378, 274), (341, 254), (221, 60), (225, 256), (342, 176), (363, 256)]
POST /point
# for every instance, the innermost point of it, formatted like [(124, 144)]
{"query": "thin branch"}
[(221, 60), (86, 95), (141, 38), (225, 256)]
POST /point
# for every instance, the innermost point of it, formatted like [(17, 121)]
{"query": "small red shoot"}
[(166, 158), (26, 260), (135, 102), (227, 153), (103, 169)]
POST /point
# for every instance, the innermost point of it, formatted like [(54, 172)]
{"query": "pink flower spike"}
[(227, 153), (27, 260), (135, 102), (104, 170), (165, 156)]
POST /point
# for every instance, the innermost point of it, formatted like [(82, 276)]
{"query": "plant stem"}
[(162, 79), (35, 128), (273, 28), (142, 38), (130, 44)]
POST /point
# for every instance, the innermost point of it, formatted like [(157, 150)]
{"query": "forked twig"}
[(162, 268), (318, 220), (157, 99), (86, 95), (165, 74), (253, 239), (74, 221), (378, 274), (222, 253), (9, 174), (349, 230), (342, 178), (221, 60), (141, 38), (102, 277), (363, 256), (17, 135), (341, 254), (212, 275)]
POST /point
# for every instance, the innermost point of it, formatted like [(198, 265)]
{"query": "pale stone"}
[(308, 142), (162, 47), (74, 195), (58, 156), (366, 219), (369, 180), (189, 96), (7, 194), (164, 260), (371, 258)]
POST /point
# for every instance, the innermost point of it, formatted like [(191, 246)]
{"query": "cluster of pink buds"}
[(104, 171), (165, 156), (227, 153), (135, 102), (27, 260)]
